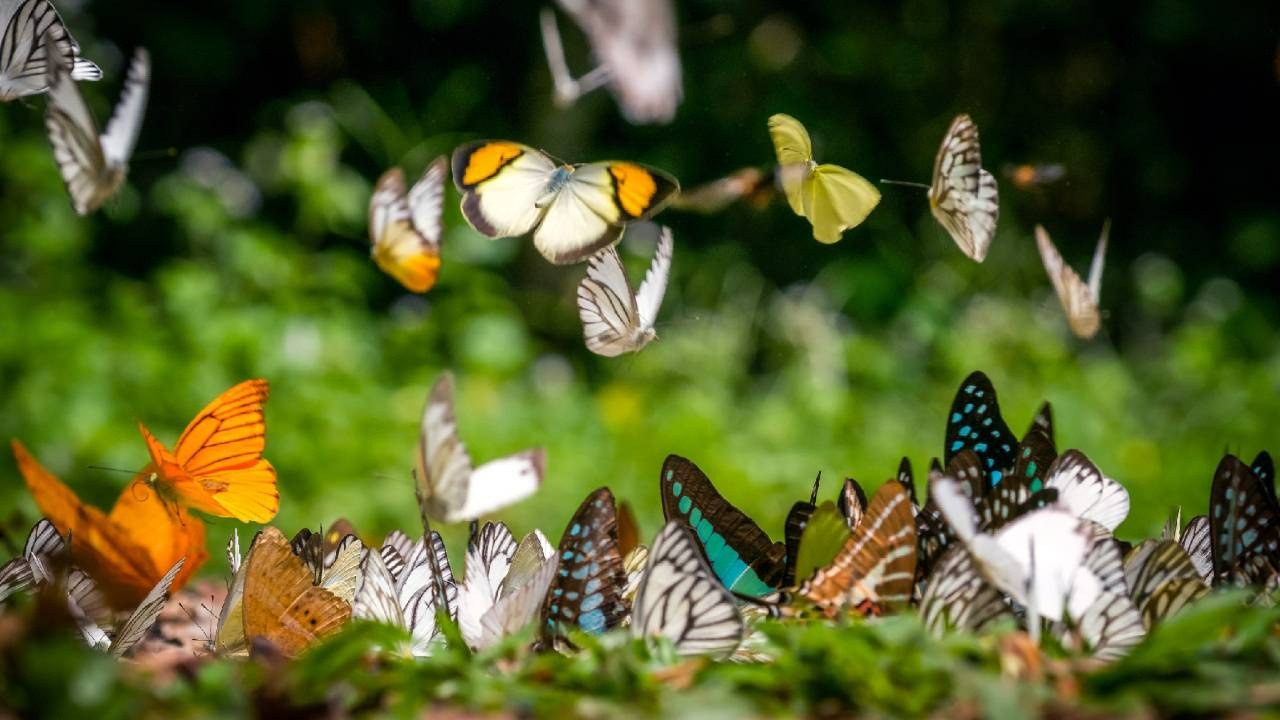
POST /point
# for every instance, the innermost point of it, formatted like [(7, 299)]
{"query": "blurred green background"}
[(239, 249)]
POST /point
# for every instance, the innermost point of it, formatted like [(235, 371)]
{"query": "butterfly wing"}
[(606, 306), (30, 31), (1198, 542), (1078, 299), (1243, 523), (126, 121), (1112, 626), (489, 554), (824, 535), (376, 599), (654, 286), (280, 602), (795, 158), (501, 184), (426, 201), (975, 423), (165, 531), (681, 599), (1086, 492), (342, 578), (958, 597), (141, 620), (586, 592), (77, 149), (963, 196), (741, 554), (517, 608), (835, 200), (405, 231)]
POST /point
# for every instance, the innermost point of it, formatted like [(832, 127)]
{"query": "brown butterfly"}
[(280, 602)]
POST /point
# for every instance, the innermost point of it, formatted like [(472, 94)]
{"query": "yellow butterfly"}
[(574, 211), (832, 198)]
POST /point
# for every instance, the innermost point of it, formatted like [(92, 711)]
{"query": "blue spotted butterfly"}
[(1244, 525), (975, 424), (586, 593), (742, 555)]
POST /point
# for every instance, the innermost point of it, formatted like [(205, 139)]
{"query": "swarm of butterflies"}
[(1014, 533)]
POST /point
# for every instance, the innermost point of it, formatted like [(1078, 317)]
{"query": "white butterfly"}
[(405, 228), (963, 196), (31, 567), (503, 605), (1079, 299), (681, 599), (1086, 492), (89, 610), (489, 555), (93, 166), (1197, 540), (28, 29), (448, 488), (615, 321)]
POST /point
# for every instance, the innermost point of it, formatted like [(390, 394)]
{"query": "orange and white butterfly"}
[(963, 196), (1079, 299), (127, 551), (217, 465), (573, 211), (93, 166), (614, 320), (405, 228), (29, 30)]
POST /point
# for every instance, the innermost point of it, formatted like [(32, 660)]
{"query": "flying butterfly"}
[(681, 599), (449, 488), (1034, 176), (217, 465), (756, 186), (572, 210), (1079, 299), (93, 166), (614, 320), (29, 30), (832, 198), (586, 592), (741, 554), (1244, 524), (405, 228)]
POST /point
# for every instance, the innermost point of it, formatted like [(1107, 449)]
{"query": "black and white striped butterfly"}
[(1161, 579), (30, 28), (89, 611), (614, 320), (409, 598), (1086, 492), (32, 566), (1079, 299), (93, 166), (681, 599), (963, 196), (958, 597)]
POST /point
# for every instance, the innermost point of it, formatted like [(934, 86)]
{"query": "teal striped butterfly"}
[(742, 555)]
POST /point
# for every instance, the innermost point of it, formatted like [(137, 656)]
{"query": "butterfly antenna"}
[(155, 154), (111, 469), (904, 183)]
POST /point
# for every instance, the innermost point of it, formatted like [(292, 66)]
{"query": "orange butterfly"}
[(217, 465), (281, 602), (126, 552)]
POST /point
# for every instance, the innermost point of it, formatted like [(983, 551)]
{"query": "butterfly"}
[(974, 423), (407, 597), (681, 599), (448, 488), (963, 196), (405, 228), (93, 166), (1244, 525), (1111, 626), (1034, 176), (31, 567), (958, 597), (586, 592), (29, 31), (1161, 579), (127, 551), (793, 529), (852, 502), (573, 211), (1196, 539), (1086, 492), (1079, 300), (634, 42), (337, 572), (614, 320), (489, 553), (83, 603), (741, 554), (832, 198), (714, 196), (520, 595), (876, 566), (217, 465)]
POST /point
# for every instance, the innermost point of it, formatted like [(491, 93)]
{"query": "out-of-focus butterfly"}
[(83, 600), (1034, 176), (1086, 492), (832, 198), (975, 423), (1109, 628), (716, 195), (31, 31), (448, 488), (337, 572), (1244, 526), (852, 502), (875, 569), (958, 597), (1079, 299), (573, 210), (217, 465), (1197, 541), (586, 593), (1161, 579), (31, 568), (614, 320), (93, 166), (127, 551), (634, 42), (681, 599), (742, 555), (793, 530), (489, 553), (405, 228)]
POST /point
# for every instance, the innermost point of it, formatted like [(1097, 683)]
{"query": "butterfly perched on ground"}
[(31, 568), (958, 597), (1086, 492), (741, 554), (1244, 526), (1196, 538), (1079, 299), (127, 551), (93, 166), (614, 320), (401, 583), (405, 228), (217, 465), (634, 42), (876, 567), (573, 210), (489, 553), (586, 592), (518, 597), (30, 32), (681, 599), (832, 198), (793, 529), (963, 196), (1161, 579), (975, 423), (448, 488), (84, 599), (337, 571)]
